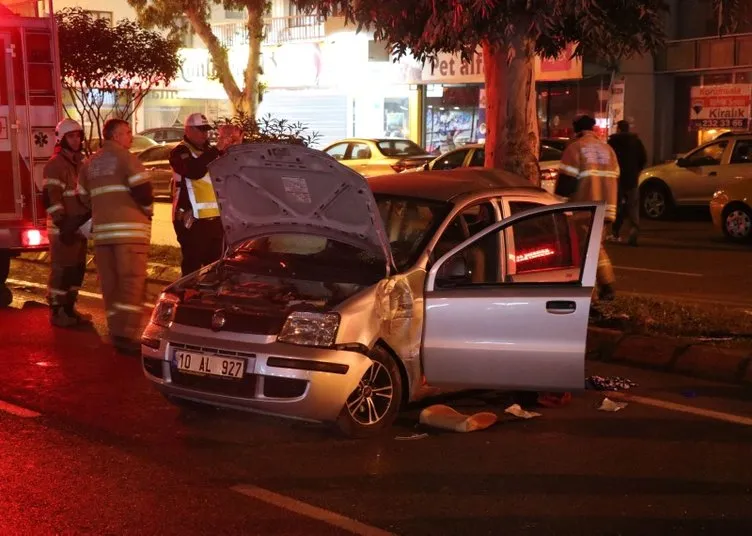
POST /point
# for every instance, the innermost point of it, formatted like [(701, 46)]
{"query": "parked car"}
[(140, 143), (475, 156), (693, 178), (340, 302), (164, 134), (731, 210), (373, 157), (156, 160), (556, 143)]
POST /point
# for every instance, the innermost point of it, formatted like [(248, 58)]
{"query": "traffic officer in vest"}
[(589, 171), (65, 215), (195, 213), (118, 191)]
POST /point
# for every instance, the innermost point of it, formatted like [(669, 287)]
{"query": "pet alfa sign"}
[(724, 106)]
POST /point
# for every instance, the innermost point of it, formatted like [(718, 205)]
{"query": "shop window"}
[(105, 15), (742, 152), (451, 160), (710, 155), (359, 151)]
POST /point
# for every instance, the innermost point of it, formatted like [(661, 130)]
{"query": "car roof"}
[(371, 140), (450, 184)]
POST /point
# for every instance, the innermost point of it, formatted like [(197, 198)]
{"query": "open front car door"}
[(515, 333)]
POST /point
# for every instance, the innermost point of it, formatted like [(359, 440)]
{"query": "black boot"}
[(60, 318), (606, 293)]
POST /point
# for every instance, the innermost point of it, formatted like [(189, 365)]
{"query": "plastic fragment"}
[(611, 406), (517, 411)]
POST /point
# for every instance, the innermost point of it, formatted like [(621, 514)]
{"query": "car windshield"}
[(548, 154), (400, 148), (308, 257), (409, 225)]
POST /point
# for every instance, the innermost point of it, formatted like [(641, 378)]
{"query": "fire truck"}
[(30, 107)]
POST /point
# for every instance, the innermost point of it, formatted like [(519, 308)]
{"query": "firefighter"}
[(65, 215), (195, 213), (589, 171), (118, 191)]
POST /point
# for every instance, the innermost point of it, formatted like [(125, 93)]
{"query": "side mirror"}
[(454, 272), (682, 162)]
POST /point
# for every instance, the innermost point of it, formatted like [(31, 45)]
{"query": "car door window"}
[(549, 154), (479, 158), (451, 160), (547, 248), (337, 151), (742, 152), (710, 155), (359, 151)]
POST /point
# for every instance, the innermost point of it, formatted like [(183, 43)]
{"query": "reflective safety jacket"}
[(192, 187), (60, 188), (118, 191), (593, 166)]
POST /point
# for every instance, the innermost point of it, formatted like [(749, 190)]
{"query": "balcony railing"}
[(706, 53), (277, 30)]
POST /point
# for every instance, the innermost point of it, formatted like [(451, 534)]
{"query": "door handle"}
[(561, 307)]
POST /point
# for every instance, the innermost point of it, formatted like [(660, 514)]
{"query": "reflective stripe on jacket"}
[(191, 178), (593, 163), (113, 183), (60, 187)]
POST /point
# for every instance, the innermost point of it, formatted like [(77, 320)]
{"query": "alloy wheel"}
[(371, 400), (654, 203), (738, 224)]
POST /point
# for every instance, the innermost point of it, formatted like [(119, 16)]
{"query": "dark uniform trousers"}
[(201, 244), (67, 270)]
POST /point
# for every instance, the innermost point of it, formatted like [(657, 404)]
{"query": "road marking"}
[(635, 269), (673, 406), (18, 411), (83, 293), (313, 512)]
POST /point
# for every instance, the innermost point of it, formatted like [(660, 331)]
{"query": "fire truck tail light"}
[(34, 237)]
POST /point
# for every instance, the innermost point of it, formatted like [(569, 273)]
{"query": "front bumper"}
[(717, 204), (279, 378)]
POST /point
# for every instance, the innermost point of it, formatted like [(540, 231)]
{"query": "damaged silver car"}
[(340, 302)]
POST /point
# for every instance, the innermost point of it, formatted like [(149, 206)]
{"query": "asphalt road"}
[(88, 447)]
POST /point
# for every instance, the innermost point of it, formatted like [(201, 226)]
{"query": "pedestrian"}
[(195, 212), (632, 159), (589, 171), (65, 215), (119, 193)]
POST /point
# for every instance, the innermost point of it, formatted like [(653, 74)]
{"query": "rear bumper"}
[(11, 238)]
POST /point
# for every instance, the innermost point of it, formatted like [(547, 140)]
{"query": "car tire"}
[(737, 223), (375, 403), (655, 201)]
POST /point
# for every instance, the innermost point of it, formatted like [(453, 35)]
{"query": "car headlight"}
[(310, 329), (164, 312)]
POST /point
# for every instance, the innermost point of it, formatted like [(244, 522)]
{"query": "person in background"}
[(632, 159), (589, 171), (65, 215), (115, 187)]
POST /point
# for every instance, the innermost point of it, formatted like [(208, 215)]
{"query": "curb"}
[(679, 356), (155, 272)]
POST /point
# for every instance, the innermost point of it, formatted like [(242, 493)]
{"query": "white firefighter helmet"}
[(66, 126)]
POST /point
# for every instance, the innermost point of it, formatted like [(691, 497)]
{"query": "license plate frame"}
[(209, 365)]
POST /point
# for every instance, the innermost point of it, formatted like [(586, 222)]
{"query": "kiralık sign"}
[(724, 106)]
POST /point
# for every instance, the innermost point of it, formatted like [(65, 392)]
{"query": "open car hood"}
[(267, 189)]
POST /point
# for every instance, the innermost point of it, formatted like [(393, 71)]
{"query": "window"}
[(106, 15), (359, 151), (548, 154), (397, 148), (479, 158), (337, 151), (709, 155), (234, 14), (742, 152), (409, 224), (451, 160)]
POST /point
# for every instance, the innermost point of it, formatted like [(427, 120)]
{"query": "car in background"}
[(374, 157), (556, 143), (164, 134), (694, 178), (731, 210), (140, 143), (475, 156), (156, 160), (342, 300)]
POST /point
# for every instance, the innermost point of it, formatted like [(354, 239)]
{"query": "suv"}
[(695, 177)]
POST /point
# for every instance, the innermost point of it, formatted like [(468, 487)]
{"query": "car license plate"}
[(209, 365)]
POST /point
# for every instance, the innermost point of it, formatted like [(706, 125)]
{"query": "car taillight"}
[(399, 167), (33, 238)]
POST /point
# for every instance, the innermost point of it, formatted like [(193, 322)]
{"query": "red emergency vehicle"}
[(30, 107)]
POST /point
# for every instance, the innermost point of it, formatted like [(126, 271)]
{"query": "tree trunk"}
[(251, 93), (511, 108)]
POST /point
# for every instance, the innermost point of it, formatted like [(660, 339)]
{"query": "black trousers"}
[(202, 244)]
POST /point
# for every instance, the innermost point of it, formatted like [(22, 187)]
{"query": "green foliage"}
[(271, 130), (610, 29), (117, 64)]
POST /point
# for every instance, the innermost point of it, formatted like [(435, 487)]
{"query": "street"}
[(88, 447)]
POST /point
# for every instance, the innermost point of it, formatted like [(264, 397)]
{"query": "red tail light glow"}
[(534, 254), (33, 238), (399, 167)]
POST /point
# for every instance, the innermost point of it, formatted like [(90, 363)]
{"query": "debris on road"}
[(609, 383), (611, 406), (446, 418), (517, 411), (554, 400), (413, 437)]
